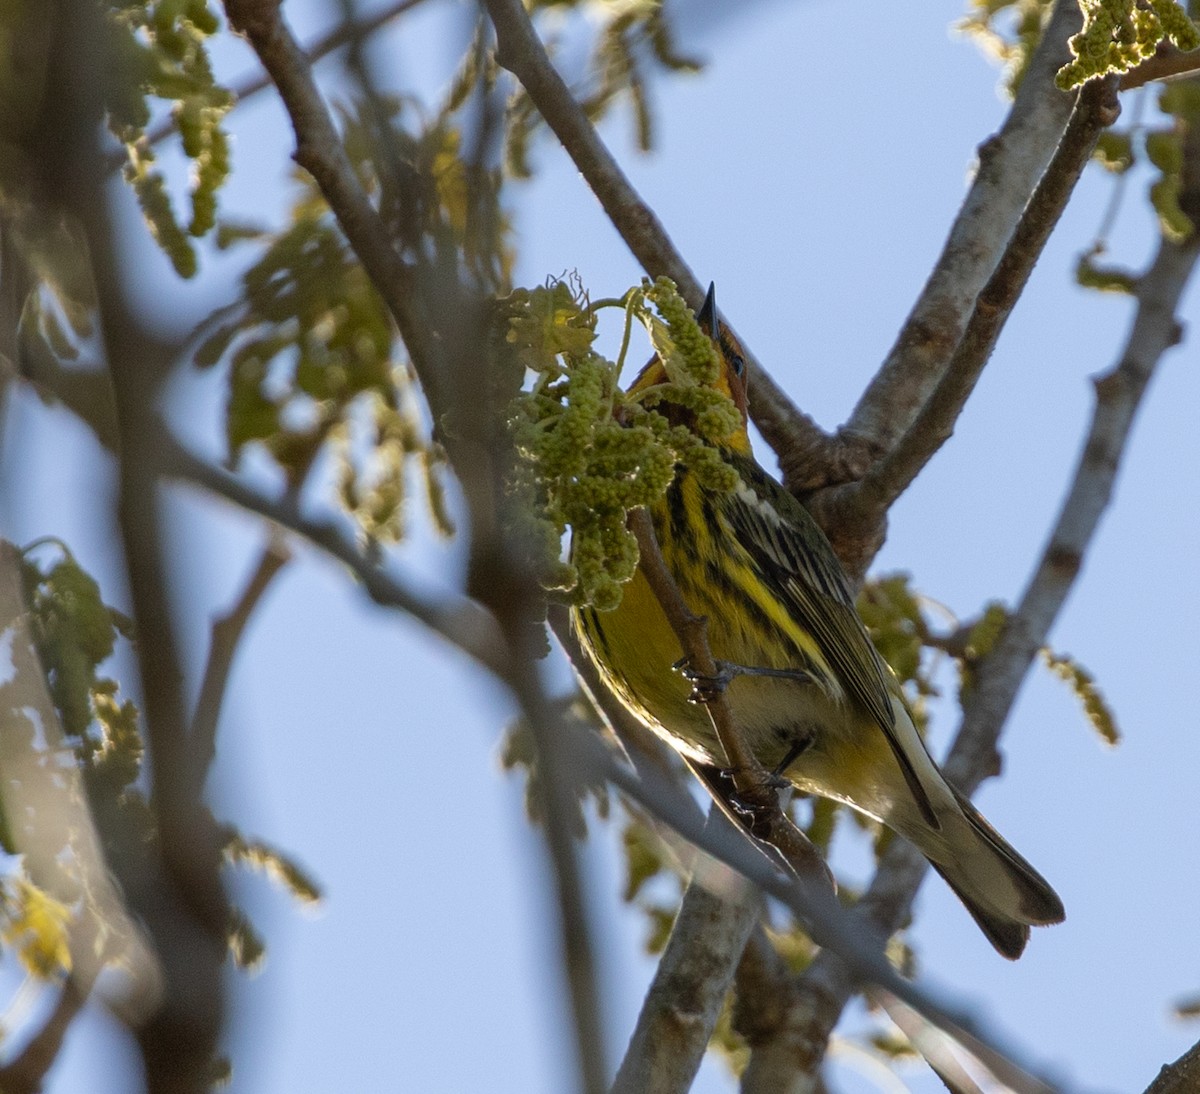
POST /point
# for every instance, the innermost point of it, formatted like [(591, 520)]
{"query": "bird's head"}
[(731, 379)]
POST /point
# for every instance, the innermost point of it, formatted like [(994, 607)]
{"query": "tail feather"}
[(1003, 893), (1008, 936)]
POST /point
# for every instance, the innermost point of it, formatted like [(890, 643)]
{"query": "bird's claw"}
[(706, 687), (758, 817)]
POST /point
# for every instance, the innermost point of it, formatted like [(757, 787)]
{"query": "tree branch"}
[(1168, 63), (461, 621), (319, 151), (855, 513), (226, 634), (1118, 396), (1181, 1077), (175, 885), (827, 985), (520, 50), (683, 1003), (852, 937), (764, 990), (1010, 164), (694, 974)]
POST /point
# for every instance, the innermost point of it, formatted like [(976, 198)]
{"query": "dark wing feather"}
[(793, 553)]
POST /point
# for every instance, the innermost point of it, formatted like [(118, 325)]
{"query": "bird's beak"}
[(707, 316)]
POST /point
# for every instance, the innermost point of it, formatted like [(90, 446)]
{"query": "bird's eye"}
[(738, 363)]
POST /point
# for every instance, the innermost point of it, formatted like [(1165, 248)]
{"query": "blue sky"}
[(812, 171)]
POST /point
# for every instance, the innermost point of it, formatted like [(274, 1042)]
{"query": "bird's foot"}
[(706, 687)]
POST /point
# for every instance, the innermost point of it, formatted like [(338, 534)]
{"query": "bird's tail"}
[(1003, 893)]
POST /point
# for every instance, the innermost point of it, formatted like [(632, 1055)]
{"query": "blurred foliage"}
[(891, 1044), (1179, 102), (34, 925), (587, 451), (1188, 1007), (894, 617), (314, 364), (629, 40), (649, 863), (978, 641), (727, 1041), (518, 752), (268, 860), (159, 53), (1160, 145), (1114, 151), (1103, 277), (75, 634), (246, 946), (1008, 31)]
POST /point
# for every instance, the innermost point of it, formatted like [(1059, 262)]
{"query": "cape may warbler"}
[(807, 689)]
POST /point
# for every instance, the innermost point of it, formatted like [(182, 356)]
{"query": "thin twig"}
[(461, 621), (749, 776), (26, 1071), (226, 634), (519, 50)]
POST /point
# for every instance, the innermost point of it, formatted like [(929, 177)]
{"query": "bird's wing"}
[(794, 556)]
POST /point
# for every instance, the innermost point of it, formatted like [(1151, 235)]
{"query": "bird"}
[(810, 695)]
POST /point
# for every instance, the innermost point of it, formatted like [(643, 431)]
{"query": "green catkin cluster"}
[(1118, 35), (159, 51), (690, 354), (692, 365), (586, 452)]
